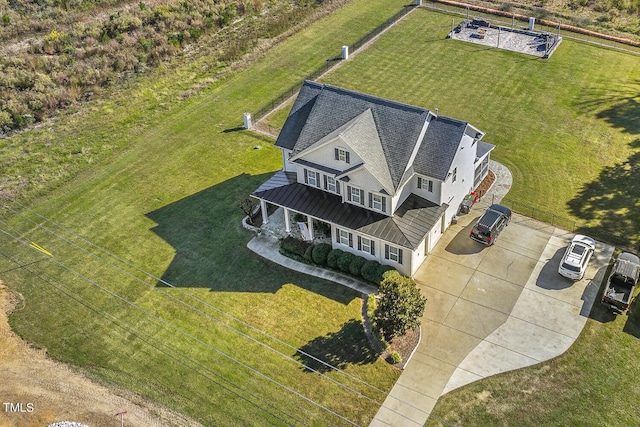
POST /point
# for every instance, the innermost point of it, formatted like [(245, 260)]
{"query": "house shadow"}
[(549, 277), (348, 346), (206, 233), (610, 200)]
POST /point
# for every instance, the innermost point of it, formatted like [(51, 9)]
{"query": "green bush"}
[(294, 246), (369, 271), (395, 357), (344, 261), (332, 258), (356, 265), (308, 254), (382, 270), (400, 307), (320, 253)]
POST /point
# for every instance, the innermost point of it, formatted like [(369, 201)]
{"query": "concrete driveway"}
[(491, 310)]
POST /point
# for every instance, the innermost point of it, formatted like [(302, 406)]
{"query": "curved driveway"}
[(491, 310)]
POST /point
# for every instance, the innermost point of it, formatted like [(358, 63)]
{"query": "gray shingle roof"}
[(321, 109), (483, 148), (439, 147)]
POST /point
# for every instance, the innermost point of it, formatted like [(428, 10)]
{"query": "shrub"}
[(400, 306), (395, 357), (298, 217), (369, 271), (332, 258), (382, 270), (308, 254), (344, 261), (320, 253), (356, 265), (294, 246)]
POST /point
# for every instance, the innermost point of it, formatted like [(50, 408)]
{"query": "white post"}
[(287, 222), (419, 2), (498, 44), (310, 227), (513, 21), (263, 210), (345, 52), (247, 120), (532, 23)]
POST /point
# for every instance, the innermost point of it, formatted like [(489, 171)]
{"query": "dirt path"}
[(58, 393)]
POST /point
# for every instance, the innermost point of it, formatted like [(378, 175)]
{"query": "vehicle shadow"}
[(462, 244), (549, 277), (599, 312), (348, 346)]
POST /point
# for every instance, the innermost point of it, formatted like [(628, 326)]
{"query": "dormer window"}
[(425, 184), (342, 155), (377, 202)]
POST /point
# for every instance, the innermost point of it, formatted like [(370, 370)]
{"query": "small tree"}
[(400, 307), (247, 206)]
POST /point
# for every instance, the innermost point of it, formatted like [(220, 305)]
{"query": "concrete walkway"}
[(491, 309), (267, 246)]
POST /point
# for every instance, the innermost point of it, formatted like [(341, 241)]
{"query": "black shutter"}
[(306, 176), (337, 235), (419, 182), (337, 186), (317, 179), (337, 153), (362, 197), (359, 243), (350, 240), (370, 200), (325, 182), (348, 192), (430, 186), (347, 156), (386, 251), (373, 247), (400, 256), (384, 204)]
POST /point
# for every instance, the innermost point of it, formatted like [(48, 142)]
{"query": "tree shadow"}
[(624, 101), (610, 203), (632, 325), (348, 346), (210, 245)]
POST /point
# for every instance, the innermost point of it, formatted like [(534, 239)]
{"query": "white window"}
[(342, 155), (366, 245), (356, 195), (344, 237), (392, 253), (425, 184), (376, 201), (331, 184), (312, 179)]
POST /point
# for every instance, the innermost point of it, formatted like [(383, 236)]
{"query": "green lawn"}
[(153, 177)]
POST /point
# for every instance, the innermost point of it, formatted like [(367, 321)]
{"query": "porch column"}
[(287, 223), (263, 209), (310, 227)]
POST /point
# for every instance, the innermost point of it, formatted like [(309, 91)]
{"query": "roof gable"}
[(330, 111), (439, 146)]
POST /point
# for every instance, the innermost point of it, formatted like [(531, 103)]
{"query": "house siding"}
[(453, 192)]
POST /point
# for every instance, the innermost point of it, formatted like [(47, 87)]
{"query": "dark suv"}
[(491, 224)]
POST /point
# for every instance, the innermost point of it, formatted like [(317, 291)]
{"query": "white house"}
[(386, 177)]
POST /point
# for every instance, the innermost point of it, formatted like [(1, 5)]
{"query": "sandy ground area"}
[(51, 392)]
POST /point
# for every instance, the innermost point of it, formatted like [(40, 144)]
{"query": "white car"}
[(576, 257)]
